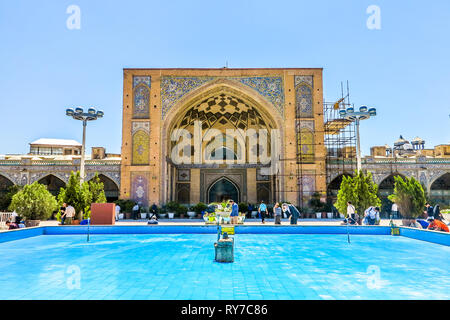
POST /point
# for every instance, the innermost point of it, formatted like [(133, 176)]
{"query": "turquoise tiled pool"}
[(181, 266)]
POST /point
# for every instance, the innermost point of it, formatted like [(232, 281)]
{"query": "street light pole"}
[(364, 113), (358, 147), (83, 147), (79, 114)]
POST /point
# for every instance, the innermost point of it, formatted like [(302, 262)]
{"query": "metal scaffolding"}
[(339, 139)]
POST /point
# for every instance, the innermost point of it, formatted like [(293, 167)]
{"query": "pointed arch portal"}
[(222, 190)]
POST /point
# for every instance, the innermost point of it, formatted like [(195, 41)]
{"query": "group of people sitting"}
[(372, 217), (14, 222), (434, 219)]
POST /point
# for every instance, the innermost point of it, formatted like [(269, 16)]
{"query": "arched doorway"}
[(5, 184), (440, 190), (110, 187), (223, 190), (53, 183)]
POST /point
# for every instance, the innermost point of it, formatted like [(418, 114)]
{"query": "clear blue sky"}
[(403, 69)]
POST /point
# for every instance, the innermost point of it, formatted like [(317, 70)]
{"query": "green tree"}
[(345, 194), (77, 195), (97, 190), (409, 196), (360, 190), (34, 202)]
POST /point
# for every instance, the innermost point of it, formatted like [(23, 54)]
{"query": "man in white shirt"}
[(135, 211), (351, 213), (372, 214), (117, 212), (68, 214), (394, 211)]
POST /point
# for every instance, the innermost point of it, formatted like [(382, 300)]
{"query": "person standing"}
[(153, 210), (437, 212), (234, 212), (135, 211), (117, 212), (277, 213), (351, 213), (429, 210), (69, 213), (394, 211), (63, 210), (262, 211)]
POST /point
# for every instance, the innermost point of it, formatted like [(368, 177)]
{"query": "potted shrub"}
[(172, 207), (317, 205), (410, 198), (144, 211), (243, 207), (181, 211), (191, 212), (35, 203), (329, 210), (199, 208), (162, 212)]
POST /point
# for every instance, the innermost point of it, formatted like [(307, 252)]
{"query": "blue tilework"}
[(181, 266)]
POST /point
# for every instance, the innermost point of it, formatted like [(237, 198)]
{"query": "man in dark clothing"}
[(429, 210), (153, 210), (63, 210)]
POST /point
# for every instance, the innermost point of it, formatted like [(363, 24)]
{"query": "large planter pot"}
[(120, 216), (127, 215), (254, 214), (324, 215), (143, 215), (191, 214), (162, 215), (330, 215), (32, 223), (318, 215), (75, 222), (171, 215), (341, 215)]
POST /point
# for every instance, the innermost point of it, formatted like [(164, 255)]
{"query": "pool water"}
[(181, 266)]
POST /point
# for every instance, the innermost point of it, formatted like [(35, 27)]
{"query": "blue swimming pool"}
[(181, 266)]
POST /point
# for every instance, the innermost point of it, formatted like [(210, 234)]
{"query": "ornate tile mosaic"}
[(141, 148), (269, 87), (139, 188), (174, 88), (307, 183), (139, 125), (141, 102), (142, 79), (305, 140), (184, 175), (303, 96)]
